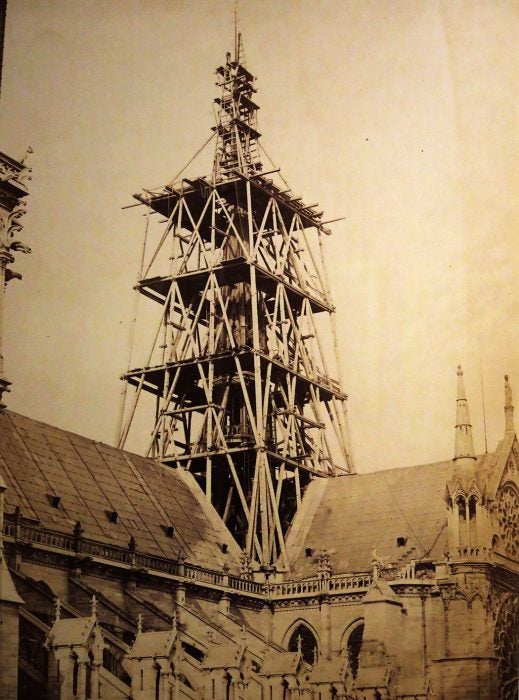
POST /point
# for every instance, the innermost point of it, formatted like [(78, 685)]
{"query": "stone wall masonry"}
[(9, 628)]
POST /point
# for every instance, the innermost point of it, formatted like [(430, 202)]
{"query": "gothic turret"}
[(463, 445), (463, 493)]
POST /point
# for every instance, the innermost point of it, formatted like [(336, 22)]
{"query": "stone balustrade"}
[(76, 545)]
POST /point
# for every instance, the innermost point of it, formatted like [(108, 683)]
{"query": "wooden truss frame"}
[(244, 399)]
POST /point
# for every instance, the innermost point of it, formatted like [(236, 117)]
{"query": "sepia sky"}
[(402, 116)]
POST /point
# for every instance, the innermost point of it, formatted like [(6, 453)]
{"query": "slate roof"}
[(329, 670), (223, 656), (152, 644), (280, 664), (91, 479), (71, 632), (349, 515)]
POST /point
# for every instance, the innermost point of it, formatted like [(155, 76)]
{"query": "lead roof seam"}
[(155, 502), (402, 514), (122, 490), (107, 533), (29, 453), (17, 488), (78, 492)]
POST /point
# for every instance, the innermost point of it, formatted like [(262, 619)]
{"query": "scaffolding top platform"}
[(233, 190)]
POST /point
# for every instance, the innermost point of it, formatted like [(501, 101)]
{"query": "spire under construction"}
[(243, 397)]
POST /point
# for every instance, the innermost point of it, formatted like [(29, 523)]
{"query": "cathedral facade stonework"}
[(428, 607)]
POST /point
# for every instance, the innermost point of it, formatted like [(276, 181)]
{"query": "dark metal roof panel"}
[(94, 480)]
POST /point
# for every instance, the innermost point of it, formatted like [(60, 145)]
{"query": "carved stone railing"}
[(202, 575), (339, 583), (245, 585), (38, 535), (350, 582), (470, 554), (76, 545), (473, 552), (155, 563)]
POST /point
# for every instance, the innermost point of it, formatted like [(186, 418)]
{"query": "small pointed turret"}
[(509, 408), (464, 445)]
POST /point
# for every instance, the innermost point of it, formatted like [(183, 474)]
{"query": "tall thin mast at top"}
[(237, 147)]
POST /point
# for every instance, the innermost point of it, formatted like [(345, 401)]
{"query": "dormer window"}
[(54, 500)]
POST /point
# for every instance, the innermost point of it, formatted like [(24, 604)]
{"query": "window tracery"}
[(506, 644), (508, 518)]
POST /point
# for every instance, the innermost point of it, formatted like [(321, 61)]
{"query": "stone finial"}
[(463, 444), (299, 644), (379, 564), (324, 566), (139, 623), (174, 621), (245, 565), (509, 407), (316, 656), (94, 607), (28, 152), (57, 610)]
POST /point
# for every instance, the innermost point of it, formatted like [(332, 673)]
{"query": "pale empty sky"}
[(401, 116)]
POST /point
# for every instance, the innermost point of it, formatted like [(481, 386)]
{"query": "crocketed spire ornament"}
[(463, 444)]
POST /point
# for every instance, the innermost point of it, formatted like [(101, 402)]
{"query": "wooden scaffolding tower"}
[(243, 395)]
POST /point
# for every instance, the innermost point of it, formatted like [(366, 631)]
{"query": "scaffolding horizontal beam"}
[(232, 190), (224, 365), (228, 273)]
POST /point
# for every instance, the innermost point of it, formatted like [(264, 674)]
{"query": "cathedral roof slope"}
[(399, 512), (58, 478), (71, 632), (149, 645)]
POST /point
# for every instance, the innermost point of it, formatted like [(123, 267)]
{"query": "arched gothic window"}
[(353, 646), (462, 518), (508, 519), (506, 644), (308, 642), (472, 520)]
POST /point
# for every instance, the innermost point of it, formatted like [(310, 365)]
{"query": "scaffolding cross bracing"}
[(244, 398)]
